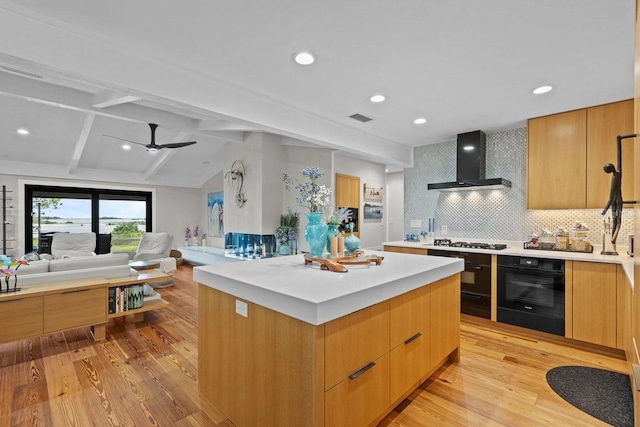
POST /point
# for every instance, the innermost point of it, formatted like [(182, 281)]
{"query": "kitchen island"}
[(281, 343)]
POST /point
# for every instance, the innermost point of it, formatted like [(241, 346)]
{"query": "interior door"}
[(348, 194)]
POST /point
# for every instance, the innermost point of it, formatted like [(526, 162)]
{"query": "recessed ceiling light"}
[(126, 147), (420, 121), (377, 98), (23, 131), (542, 89), (304, 58)]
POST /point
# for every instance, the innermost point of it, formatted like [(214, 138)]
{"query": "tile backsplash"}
[(490, 214)]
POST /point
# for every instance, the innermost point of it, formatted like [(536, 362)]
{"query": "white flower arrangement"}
[(311, 194)]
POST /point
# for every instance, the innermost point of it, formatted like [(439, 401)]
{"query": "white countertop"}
[(515, 248), (286, 285)]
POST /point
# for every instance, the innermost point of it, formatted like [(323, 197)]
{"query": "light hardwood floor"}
[(145, 374)]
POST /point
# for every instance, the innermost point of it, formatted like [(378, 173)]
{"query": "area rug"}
[(600, 393)]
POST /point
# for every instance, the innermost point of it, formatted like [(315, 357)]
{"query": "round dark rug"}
[(603, 394)]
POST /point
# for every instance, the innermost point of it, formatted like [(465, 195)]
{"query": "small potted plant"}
[(287, 232)]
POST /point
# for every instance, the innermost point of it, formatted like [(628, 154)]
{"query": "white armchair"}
[(153, 246), (73, 244), (156, 247)]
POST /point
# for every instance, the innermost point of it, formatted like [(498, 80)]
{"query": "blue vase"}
[(331, 231), (315, 234), (351, 243)]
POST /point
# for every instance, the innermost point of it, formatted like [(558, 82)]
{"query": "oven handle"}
[(471, 295), (535, 270), (471, 266)]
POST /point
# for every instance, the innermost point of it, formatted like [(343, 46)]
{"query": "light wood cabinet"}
[(362, 400), (595, 303), (57, 306), (353, 341), (556, 161), (604, 124), (623, 309), (347, 193), (26, 318), (566, 152), (75, 309), (445, 314), (350, 371), (405, 250), (410, 341)]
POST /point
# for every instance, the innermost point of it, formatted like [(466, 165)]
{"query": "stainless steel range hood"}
[(471, 166)]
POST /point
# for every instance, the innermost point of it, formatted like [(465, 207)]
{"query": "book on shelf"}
[(123, 298)]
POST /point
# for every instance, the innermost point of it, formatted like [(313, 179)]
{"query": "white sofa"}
[(106, 266), (72, 257)]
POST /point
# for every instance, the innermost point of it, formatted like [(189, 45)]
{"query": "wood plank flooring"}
[(145, 374)]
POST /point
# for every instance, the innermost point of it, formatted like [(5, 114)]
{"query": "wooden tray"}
[(337, 265)]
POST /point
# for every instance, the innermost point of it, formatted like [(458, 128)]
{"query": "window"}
[(118, 217)]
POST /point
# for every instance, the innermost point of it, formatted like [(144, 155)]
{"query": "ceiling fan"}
[(152, 146)]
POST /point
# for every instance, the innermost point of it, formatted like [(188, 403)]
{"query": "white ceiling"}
[(212, 70)]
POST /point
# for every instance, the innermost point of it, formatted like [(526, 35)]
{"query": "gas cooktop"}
[(474, 245)]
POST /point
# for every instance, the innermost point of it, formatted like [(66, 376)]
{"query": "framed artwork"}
[(215, 202), (372, 211), (372, 192)]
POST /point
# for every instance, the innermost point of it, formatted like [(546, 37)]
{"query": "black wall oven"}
[(531, 293), (475, 282)]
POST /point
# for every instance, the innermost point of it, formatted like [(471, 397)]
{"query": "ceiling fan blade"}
[(176, 144), (126, 140)]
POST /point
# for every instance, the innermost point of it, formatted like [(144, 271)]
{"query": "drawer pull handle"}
[(76, 292), (362, 370), (12, 300), (413, 338)]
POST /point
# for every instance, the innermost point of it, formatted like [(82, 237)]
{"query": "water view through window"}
[(118, 217)]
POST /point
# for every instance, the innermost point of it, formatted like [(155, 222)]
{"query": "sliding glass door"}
[(118, 217)]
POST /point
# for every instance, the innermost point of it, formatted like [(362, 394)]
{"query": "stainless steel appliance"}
[(475, 281), (531, 293)]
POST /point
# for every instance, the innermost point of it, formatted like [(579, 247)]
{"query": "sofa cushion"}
[(110, 272), (73, 244), (82, 262), (40, 266)]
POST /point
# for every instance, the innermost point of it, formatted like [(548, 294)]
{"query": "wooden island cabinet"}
[(263, 367)]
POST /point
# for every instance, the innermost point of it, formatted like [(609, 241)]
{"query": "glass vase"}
[(331, 232), (315, 233), (284, 249), (351, 243)]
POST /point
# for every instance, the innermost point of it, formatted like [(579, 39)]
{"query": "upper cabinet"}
[(557, 161), (566, 152), (604, 124)]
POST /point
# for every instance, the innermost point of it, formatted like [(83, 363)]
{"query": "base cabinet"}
[(445, 320), (350, 371), (84, 307), (599, 304), (360, 399), (26, 318), (405, 250), (410, 341)]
